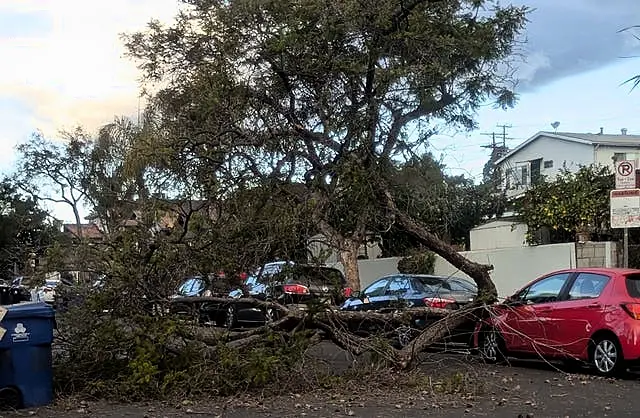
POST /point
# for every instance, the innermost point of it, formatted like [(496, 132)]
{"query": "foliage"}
[(103, 359), (264, 223), (55, 171), (323, 94), (112, 181), (449, 205), (570, 203), (418, 263), (26, 231), (112, 346)]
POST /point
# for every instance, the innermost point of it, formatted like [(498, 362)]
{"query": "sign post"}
[(625, 213), (625, 245)]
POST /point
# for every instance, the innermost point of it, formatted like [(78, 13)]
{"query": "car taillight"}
[(438, 302), (295, 289), (347, 292), (633, 309)]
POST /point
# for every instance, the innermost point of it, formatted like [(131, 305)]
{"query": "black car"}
[(16, 292), (299, 284), (293, 285), (413, 290), (197, 286), (400, 291)]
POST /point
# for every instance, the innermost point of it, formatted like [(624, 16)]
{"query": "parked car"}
[(47, 293), (15, 292), (412, 290), (299, 284), (590, 315), (283, 282), (400, 291), (256, 284)]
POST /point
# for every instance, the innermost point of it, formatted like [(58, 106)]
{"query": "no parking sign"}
[(625, 175)]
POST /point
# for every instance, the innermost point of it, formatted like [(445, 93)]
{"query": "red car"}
[(591, 315)]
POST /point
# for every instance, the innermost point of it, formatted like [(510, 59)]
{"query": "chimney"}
[(601, 130), (624, 131)]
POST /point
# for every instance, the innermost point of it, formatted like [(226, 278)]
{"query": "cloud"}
[(569, 37), (70, 68)]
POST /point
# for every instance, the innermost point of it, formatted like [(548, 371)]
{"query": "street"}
[(449, 385)]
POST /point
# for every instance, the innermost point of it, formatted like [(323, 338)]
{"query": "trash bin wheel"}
[(10, 399)]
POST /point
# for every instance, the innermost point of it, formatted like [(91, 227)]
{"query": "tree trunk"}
[(478, 272), (349, 258)]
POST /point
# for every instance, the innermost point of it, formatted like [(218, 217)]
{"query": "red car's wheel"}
[(492, 347), (606, 355)]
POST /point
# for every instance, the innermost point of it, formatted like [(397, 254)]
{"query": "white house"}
[(497, 234), (546, 153)]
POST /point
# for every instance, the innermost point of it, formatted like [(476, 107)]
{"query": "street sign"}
[(625, 208), (625, 175)]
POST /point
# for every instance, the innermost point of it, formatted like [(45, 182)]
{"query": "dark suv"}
[(299, 284), (289, 284)]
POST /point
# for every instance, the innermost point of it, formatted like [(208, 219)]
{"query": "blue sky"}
[(67, 69)]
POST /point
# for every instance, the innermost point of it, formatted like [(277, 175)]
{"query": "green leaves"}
[(572, 202), (26, 231)]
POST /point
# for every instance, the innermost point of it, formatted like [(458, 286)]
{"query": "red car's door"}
[(528, 326), (577, 316)]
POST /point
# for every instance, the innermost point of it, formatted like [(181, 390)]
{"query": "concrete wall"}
[(498, 234), (513, 267)]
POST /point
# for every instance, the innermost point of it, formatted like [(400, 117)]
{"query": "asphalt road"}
[(523, 389)]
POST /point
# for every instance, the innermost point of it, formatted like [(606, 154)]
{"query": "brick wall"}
[(597, 254)]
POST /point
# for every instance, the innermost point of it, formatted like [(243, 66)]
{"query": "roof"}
[(496, 223), (580, 138), (87, 230)]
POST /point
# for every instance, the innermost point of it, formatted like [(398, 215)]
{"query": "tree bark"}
[(487, 292), (349, 258)]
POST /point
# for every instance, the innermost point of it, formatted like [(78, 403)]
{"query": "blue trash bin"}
[(26, 375)]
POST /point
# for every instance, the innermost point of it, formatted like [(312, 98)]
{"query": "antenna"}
[(555, 125)]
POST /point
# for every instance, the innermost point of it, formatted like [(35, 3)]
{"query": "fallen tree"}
[(350, 330)]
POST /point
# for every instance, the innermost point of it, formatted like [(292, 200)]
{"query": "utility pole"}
[(498, 150), (504, 133)]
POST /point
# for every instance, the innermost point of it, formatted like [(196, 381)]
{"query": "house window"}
[(619, 156), (548, 164), (536, 174), (511, 178), (522, 174)]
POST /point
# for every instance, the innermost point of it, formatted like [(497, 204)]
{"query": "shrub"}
[(419, 263)]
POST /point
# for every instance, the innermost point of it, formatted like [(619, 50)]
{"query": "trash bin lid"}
[(29, 310)]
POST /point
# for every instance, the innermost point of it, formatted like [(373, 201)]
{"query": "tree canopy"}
[(325, 93), (26, 231), (450, 206), (271, 120)]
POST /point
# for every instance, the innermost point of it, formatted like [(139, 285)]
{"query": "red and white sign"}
[(625, 175), (625, 208)]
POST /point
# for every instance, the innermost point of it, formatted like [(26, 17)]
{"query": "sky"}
[(63, 66)]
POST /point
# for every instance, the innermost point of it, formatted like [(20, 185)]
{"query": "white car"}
[(47, 293)]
